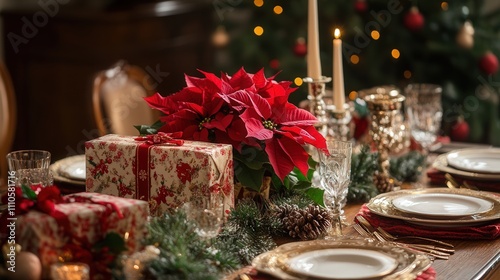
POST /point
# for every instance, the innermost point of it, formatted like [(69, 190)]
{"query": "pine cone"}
[(306, 224), (383, 183)]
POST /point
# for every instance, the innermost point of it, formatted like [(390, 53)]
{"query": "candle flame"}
[(336, 33)]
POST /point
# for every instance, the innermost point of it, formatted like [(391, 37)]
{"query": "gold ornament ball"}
[(28, 267)]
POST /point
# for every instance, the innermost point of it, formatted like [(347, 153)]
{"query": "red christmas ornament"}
[(488, 63), (360, 6), (274, 64), (300, 48), (460, 130), (414, 20), (360, 126)]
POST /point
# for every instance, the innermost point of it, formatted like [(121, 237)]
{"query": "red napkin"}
[(429, 274), (400, 227), (436, 177)]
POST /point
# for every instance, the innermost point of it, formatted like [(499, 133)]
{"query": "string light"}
[(278, 10), (258, 3), (258, 30), (354, 59), (375, 34), (395, 53), (298, 81), (444, 6), (353, 95)]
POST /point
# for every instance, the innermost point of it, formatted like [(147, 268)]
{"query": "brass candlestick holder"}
[(317, 105), (384, 104)]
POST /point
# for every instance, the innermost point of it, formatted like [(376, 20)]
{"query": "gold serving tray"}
[(410, 263), (382, 205)]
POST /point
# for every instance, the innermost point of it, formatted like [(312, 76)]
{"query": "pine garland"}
[(408, 167), (252, 227), (183, 254), (363, 165)]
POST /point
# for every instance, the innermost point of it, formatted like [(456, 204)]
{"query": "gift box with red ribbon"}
[(160, 169), (70, 228)]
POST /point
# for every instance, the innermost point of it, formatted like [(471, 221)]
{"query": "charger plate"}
[(441, 164), (383, 205), (291, 260), (442, 205), (476, 160), (69, 170)]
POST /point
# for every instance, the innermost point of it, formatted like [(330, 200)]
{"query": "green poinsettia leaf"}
[(28, 192), (251, 157), (149, 129), (113, 241), (249, 177), (316, 195)]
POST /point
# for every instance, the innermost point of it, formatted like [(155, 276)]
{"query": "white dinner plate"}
[(476, 160), (442, 205), (69, 170), (383, 205), (441, 164), (342, 263), (74, 170)]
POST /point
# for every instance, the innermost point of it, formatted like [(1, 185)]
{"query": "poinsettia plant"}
[(249, 111)]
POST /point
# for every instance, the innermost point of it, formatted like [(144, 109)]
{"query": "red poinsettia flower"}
[(243, 110), (283, 128)]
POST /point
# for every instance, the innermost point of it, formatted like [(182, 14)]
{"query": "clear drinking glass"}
[(31, 167), (335, 173), (424, 111), (207, 213)]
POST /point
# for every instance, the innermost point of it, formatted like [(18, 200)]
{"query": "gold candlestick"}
[(384, 104)]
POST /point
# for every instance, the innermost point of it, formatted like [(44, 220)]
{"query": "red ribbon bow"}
[(162, 138)]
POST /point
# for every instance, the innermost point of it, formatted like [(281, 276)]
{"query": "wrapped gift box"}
[(164, 174), (84, 223)]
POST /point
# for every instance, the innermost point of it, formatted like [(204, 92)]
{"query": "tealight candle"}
[(69, 271)]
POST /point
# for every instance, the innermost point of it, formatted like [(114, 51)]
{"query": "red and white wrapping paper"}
[(89, 222), (166, 175)]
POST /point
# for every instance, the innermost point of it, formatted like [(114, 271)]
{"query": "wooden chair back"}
[(118, 99), (7, 122)]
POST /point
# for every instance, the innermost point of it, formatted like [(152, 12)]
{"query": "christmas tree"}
[(454, 44)]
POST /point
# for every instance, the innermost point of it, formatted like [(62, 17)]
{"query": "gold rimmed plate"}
[(486, 160), (441, 164), (383, 205), (69, 170), (339, 259)]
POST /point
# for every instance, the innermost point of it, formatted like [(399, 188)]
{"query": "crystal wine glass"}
[(335, 173), (424, 110)]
